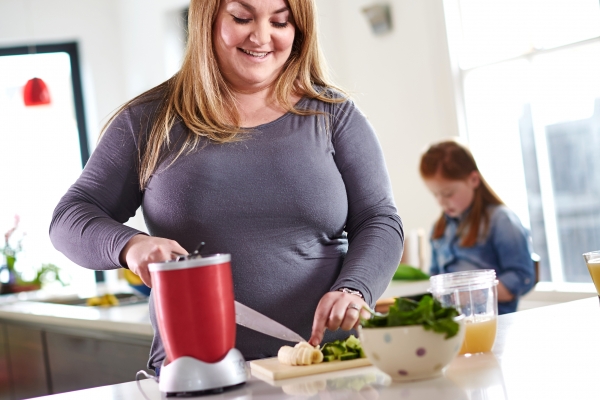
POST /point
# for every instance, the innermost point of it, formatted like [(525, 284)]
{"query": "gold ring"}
[(354, 306)]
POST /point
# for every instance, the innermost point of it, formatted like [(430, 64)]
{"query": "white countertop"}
[(128, 319), (405, 288), (544, 353), (131, 319), (29, 307)]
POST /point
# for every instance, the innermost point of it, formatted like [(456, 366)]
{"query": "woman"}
[(475, 230), (249, 149)]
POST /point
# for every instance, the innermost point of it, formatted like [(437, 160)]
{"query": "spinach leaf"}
[(427, 312)]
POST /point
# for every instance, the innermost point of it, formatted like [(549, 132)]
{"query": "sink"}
[(125, 299)]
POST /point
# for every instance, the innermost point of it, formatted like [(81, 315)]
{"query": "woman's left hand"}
[(336, 310)]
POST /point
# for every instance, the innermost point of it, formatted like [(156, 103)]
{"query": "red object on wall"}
[(35, 93)]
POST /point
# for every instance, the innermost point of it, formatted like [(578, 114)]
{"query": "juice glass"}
[(592, 260), (474, 294)]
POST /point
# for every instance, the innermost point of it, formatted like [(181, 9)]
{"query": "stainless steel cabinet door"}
[(79, 362), (5, 378), (27, 362)]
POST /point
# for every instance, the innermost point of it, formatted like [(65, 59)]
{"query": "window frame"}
[(71, 48)]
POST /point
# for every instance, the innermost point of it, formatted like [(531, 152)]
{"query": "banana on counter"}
[(108, 300), (301, 354)]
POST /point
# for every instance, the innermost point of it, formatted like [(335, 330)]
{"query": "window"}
[(43, 149), (529, 81)]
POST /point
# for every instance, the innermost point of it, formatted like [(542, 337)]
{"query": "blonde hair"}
[(199, 96), (454, 161)]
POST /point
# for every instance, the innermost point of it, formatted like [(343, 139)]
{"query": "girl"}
[(476, 230)]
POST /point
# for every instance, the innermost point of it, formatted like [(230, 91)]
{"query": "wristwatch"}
[(351, 291)]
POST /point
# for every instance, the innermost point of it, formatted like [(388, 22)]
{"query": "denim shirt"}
[(505, 249)]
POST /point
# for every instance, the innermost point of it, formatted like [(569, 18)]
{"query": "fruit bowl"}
[(408, 353)]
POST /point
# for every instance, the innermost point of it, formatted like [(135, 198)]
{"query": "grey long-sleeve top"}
[(303, 206)]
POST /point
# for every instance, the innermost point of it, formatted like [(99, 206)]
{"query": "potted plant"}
[(10, 252), (45, 274)]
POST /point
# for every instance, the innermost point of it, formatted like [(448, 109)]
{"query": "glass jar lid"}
[(463, 280)]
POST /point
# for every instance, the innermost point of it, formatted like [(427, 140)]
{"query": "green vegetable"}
[(348, 356), (352, 343), (361, 353), (405, 272), (427, 312), (348, 349)]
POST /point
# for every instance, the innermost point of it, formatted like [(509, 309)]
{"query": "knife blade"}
[(245, 316)]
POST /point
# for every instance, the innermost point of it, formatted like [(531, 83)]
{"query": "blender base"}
[(190, 376)]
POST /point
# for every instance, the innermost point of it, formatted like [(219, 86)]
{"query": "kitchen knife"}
[(245, 316)]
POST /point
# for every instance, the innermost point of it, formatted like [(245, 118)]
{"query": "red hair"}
[(453, 161)]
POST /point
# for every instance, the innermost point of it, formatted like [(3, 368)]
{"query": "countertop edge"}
[(127, 328)]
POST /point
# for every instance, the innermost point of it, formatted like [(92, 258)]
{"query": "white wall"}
[(401, 81), (148, 41)]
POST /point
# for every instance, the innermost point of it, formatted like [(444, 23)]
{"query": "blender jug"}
[(194, 307), (195, 311)]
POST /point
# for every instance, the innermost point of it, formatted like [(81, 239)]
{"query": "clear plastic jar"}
[(474, 294)]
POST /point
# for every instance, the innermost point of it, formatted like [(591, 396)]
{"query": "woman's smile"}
[(255, 54)]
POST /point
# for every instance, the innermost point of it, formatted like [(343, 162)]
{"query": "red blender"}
[(196, 317)]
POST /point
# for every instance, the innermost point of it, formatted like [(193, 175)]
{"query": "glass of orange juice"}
[(475, 295), (592, 260)]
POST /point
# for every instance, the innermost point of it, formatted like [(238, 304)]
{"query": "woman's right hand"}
[(142, 250)]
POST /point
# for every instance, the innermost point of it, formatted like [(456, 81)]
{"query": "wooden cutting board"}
[(271, 367)]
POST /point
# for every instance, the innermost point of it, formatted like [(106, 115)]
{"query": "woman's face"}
[(253, 40), (454, 196)]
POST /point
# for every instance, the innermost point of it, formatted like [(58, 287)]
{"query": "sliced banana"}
[(317, 356), (285, 355), (301, 354)]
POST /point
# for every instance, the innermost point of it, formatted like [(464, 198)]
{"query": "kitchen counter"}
[(544, 353), (128, 319), (405, 288), (31, 308), (49, 345)]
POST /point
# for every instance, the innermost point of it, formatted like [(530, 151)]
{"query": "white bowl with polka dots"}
[(409, 353)]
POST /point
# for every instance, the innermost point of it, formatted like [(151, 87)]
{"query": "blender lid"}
[(190, 262)]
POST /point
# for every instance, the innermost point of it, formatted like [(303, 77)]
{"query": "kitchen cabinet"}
[(37, 360), (26, 361), (79, 362), (5, 379)]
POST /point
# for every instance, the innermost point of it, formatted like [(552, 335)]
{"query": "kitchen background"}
[(516, 78)]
